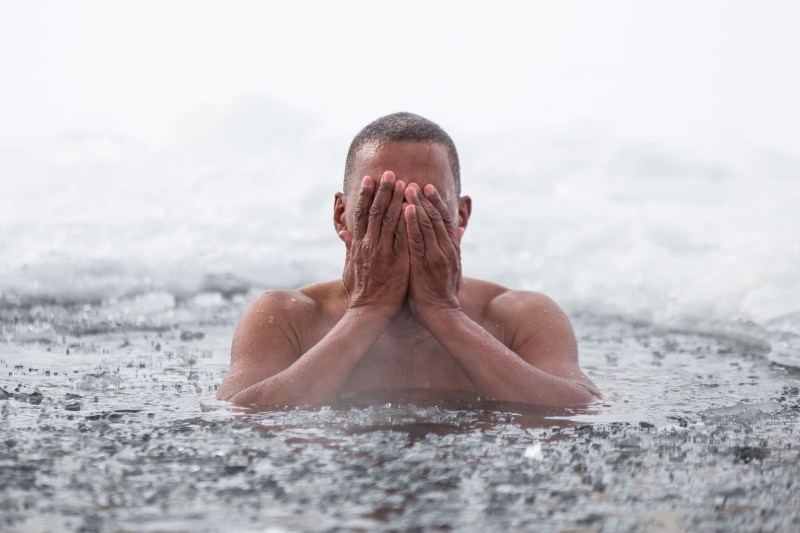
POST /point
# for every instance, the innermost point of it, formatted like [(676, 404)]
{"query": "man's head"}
[(400, 127), (416, 150)]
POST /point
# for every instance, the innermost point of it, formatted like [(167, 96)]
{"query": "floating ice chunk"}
[(534, 452), (742, 411), (149, 304), (42, 332), (208, 299), (100, 380)]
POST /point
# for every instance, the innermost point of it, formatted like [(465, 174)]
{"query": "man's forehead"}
[(410, 161)]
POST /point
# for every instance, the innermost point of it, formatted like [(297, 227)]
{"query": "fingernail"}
[(365, 181), (399, 186), (430, 190)]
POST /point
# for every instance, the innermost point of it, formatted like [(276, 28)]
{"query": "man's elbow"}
[(569, 394), (244, 398), (232, 388), (584, 394), (226, 395)]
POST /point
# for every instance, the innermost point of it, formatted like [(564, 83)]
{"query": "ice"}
[(742, 411), (100, 380), (651, 231), (41, 332), (534, 452)]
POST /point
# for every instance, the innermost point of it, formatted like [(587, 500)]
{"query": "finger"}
[(393, 214), (416, 242), (433, 197), (362, 207), (378, 208), (401, 234), (443, 237), (423, 220)]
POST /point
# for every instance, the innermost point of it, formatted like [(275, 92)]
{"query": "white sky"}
[(679, 71)]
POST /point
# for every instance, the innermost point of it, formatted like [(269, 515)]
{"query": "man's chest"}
[(425, 365)]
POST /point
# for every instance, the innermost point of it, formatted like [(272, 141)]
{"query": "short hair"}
[(399, 127)]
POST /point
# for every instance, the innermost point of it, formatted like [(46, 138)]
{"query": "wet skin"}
[(402, 316)]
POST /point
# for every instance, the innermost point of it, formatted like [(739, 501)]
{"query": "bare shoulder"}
[(301, 303), (530, 323), (540, 332), (271, 335), (477, 295), (292, 313), (511, 303), (328, 297), (497, 302), (277, 306), (535, 317)]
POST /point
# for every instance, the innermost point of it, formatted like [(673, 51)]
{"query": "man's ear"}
[(464, 212), (340, 219)]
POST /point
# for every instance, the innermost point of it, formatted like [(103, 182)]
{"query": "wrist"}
[(440, 317), (370, 314)]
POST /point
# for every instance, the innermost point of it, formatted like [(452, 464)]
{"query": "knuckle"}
[(388, 218), (374, 209)]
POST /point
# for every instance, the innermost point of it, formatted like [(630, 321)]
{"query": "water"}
[(125, 265), (112, 425)]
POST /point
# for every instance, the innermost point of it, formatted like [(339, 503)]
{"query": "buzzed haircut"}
[(399, 127)]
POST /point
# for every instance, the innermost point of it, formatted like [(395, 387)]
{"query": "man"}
[(402, 316)]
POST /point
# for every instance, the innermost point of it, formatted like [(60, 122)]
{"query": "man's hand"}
[(434, 253), (269, 368), (376, 269)]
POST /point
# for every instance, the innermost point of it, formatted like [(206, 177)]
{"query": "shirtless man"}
[(402, 316)]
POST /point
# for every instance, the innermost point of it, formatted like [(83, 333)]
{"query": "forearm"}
[(496, 371), (319, 375)]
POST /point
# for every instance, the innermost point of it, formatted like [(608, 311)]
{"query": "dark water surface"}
[(109, 423)]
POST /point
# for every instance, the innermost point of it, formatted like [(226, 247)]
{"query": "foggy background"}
[(624, 157), (682, 72)]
